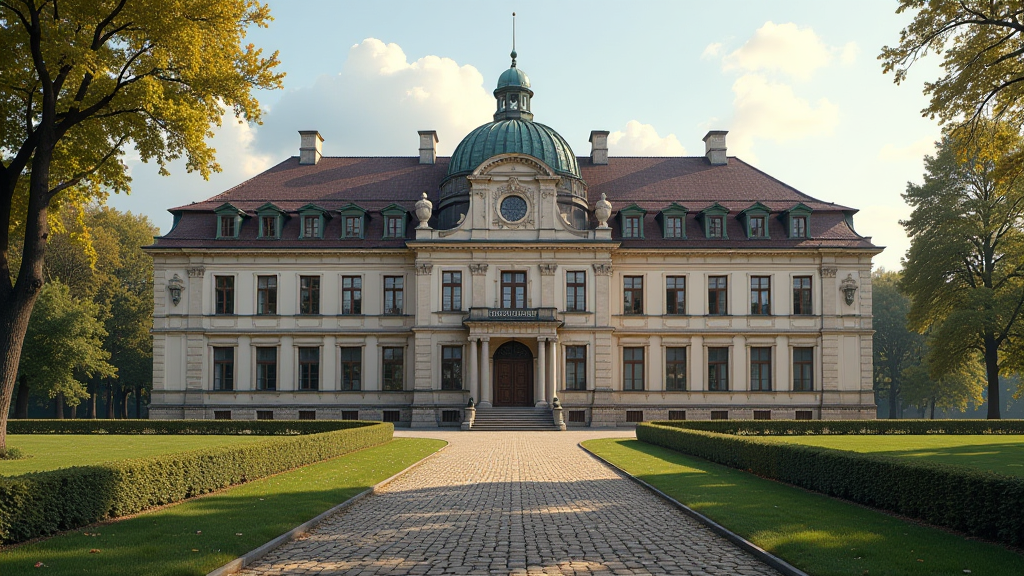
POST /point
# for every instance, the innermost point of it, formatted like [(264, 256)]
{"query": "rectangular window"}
[(762, 414), (633, 294), (351, 368), (353, 226), (451, 368), (310, 226), (225, 302), (394, 226), (578, 416), (575, 291), (393, 371), (718, 369), (719, 414), (268, 226), (758, 228), (718, 295), (677, 414), (451, 291), (266, 294), (634, 415), (675, 368), (631, 227), (307, 414), (223, 368), (673, 227), (575, 367), (264, 414), (309, 368), (804, 415), (513, 289), (222, 414), (351, 295), (309, 294), (392, 415), (675, 295), (266, 368), (716, 227), (350, 414), (394, 290), (761, 369), (227, 226), (803, 369), (760, 295), (802, 295), (451, 416), (798, 227), (632, 368)]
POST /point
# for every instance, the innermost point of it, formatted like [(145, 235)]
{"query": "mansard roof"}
[(374, 183)]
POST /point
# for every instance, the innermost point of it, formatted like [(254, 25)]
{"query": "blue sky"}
[(797, 84)]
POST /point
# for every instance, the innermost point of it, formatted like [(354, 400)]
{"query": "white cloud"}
[(766, 110), (913, 152), (785, 48), (848, 55), (712, 50), (643, 140)]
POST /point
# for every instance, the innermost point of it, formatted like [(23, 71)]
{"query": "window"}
[(760, 295), (227, 227), (226, 415), (761, 369), (677, 414), (716, 227), (309, 294), (758, 228), (675, 295), (307, 414), (393, 292), (803, 369), (675, 369), (264, 414), (575, 291), (673, 227), (575, 367), (718, 369), (632, 368), (719, 414), (762, 414), (634, 415), (309, 368), (802, 295), (451, 291), (633, 295), (223, 368), (225, 301), (393, 227), (718, 292), (353, 226), (451, 368), (513, 289), (578, 416), (310, 226), (798, 227), (451, 416), (266, 294), (351, 369), (394, 369), (631, 227), (804, 415), (351, 295), (350, 414), (392, 415), (268, 226), (266, 368)]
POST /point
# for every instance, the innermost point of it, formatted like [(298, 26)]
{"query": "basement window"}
[(634, 415), (392, 415), (350, 414), (677, 414)]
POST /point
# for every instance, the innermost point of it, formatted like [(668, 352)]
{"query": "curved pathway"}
[(510, 503)]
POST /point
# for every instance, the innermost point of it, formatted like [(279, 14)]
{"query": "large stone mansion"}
[(512, 273)]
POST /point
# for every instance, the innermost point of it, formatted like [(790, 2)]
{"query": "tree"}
[(982, 46), (964, 271), (896, 347), (83, 79), (951, 392)]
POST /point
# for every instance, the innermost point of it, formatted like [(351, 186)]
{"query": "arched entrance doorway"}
[(513, 375)]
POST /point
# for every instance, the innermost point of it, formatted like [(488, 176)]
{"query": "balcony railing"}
[(513, 315)]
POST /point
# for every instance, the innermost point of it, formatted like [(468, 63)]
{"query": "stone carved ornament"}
[(478, 269), (603, 211), (849, 288), (424, 208), (175, 286), (512, 187)]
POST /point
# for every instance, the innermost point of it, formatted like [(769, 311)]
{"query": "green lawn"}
[(818, 534), (197, 536), (997, 453), (52, 451)]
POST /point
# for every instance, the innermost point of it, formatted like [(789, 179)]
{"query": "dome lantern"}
[(513, 94)]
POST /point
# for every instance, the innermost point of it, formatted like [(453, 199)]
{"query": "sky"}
[(796, 83)]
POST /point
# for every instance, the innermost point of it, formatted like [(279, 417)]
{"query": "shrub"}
[(207, 427), (43, 503), (806, 427), (976, 502)]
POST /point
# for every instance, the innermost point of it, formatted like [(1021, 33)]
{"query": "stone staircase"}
[(517, 418)]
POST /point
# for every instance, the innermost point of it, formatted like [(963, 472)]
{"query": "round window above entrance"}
[(513, 208)]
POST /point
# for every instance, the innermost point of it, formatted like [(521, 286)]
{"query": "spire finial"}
[(513, 40)]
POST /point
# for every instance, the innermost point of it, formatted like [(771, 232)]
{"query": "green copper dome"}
[(513, 77), (519, 136)]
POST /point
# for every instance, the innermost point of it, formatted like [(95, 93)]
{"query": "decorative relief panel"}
[(828, 272), (478, 269), (196, 272), (512, 199), (548, 269), (424, 269), (603, 269)]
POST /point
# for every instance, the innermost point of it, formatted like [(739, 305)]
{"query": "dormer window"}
[(757, 227), (271, 219), (755, 220), (673, 221), (714, 221), (229, 220), (313, 220), (353, 222), (798, 221), (631, 218), (798, 227), (310, 226), (716, 227), (353, 226), (227, 227), (394, 221), (394, 227), (268, 226)]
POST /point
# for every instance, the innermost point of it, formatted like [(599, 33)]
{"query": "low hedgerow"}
[(43, 503), (806, 427), (205, 427), (979, 503)]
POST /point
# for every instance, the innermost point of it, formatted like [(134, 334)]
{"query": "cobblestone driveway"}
[(510, 503)]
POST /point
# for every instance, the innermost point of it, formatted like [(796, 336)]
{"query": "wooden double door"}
[(513, 375)]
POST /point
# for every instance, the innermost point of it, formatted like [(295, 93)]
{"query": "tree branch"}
[(81, 175)]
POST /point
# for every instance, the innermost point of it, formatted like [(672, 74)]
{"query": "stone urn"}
[(603, 211), (424, 208)]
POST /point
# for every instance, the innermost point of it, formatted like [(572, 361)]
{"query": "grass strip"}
[(193, 538), (820, 535)]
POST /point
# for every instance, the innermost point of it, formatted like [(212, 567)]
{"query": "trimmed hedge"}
[(206, 427), (807, 427), (979, 503), (42, 503)]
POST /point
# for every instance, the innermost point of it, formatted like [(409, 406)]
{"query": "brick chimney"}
[(428, 146), (714, 147), (310, 142), (598, 146)]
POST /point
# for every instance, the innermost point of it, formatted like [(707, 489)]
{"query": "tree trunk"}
[(932, 408), (15, 310), (138, 402), (992, 374), (92, 399), (894, 400), (122, 404), (21, 402), (110, 399), (58, 406)]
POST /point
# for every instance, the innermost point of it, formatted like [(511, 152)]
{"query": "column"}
[(539, 389), (552, 371), (474, 372), (485, 372)]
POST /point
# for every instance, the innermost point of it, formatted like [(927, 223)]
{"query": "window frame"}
[(308, 370), (673, 291), (354, 294), (576, 358), (513, 289), (394, 296), (309, 295), (718, 368), (451, 368), (227, 212), (678, 372), (633, 304), (267, 382), (718, 296), (630, 366), (760, 295), (803, 295), (631, 222), (314, 231), (761, 368), (224, 296), (348, 366), (357, 213), (391, 368), (227, 219), (394, 229), (575, 291), (266, 296), (223, 369), (798, 375), (451, 290)]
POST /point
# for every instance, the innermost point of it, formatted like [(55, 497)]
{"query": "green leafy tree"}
[(964, 271), (956, 391), (896, 347), (83, 79)]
